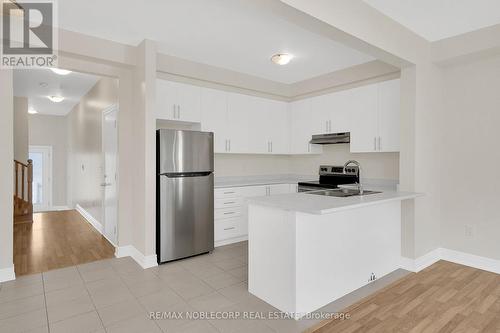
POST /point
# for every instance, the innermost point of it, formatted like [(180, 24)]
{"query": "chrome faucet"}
[(356, 163)]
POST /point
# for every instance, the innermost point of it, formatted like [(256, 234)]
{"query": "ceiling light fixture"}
[(56, 99), (281, 58), (60, 71), (32, 111)]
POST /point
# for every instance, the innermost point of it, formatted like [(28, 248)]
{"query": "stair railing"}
[(23, 189)]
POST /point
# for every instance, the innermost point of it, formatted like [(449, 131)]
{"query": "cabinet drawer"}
[(230, 192), (226, 213), (230, 202), (228, 228)]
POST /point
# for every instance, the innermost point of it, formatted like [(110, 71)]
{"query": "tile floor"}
[(117, 295)]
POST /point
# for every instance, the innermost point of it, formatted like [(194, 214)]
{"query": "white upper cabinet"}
[(363, 109), (389, 107), (376, 118), (244, 124), (275, 119), (177, 101), (214, 117), (321, 109), (302, 128)]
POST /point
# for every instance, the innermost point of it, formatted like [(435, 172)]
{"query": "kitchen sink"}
[(341, 192)]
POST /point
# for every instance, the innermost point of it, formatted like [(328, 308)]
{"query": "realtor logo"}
[(28, 34)]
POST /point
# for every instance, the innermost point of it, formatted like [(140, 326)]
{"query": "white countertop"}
[(233, 181), (318, 204)]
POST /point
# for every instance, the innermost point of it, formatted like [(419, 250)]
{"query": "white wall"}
[(6, 179), (373, 165), (45, 130), (471, 157), (21, 129), (85, 146), (250, 165)]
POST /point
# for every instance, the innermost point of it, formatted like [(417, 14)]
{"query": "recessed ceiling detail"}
[(238, 35), (38, 85), (439, 19)]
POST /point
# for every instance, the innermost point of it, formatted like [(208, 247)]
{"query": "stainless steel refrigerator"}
[(184, 194)]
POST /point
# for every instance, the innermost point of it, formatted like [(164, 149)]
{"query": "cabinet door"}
[(340, 113), (214, 117), (277, 119), (364, 130), (240, 108), (388, 116), (302, 128), (320, 114), (261, 123), (189, 108), (166, 100)]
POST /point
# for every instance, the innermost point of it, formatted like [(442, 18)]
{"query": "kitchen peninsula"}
[(307, 249)]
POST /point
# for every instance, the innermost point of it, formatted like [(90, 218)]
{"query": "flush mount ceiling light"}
[(56, 99), (32, 111), (60, 71), (281, 58)]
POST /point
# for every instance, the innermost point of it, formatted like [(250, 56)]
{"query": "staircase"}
[(23, 192)]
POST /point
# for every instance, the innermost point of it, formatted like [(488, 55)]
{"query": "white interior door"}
[(110, 174), (42, 177)]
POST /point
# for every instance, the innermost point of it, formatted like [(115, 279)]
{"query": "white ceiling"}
[(232, 34), (27, 83), (439, 19)]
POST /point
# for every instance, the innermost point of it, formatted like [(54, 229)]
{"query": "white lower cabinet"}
[(230, 209)]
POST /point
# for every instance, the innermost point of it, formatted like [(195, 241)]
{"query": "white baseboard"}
[(90, 219), (231, 241), (7, 274), (462, 258), (130, 251), (471, 260)]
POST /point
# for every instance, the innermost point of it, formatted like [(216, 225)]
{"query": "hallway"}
[(56, 240)]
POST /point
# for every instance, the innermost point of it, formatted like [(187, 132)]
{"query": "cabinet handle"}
[(271, 146), (268, 149), (308, 147), (229, 144), (178, 111), (228, 213), (229, 192), (329, 126), (229, 202), (374, 143), (229, 228), (225, 148), (174, 110), (326, 125), (379, 143)]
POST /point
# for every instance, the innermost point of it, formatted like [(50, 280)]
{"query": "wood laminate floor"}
[(56, 240), (445, 297)]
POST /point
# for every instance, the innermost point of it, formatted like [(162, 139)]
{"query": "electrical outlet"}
[(470, 231), (372, 278)]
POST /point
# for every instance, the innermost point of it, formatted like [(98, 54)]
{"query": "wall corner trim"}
[(93, 222), (461, 258), (130, 251), (90, 219), (7, 274)]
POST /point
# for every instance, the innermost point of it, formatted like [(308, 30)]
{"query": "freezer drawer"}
[(186, 216)]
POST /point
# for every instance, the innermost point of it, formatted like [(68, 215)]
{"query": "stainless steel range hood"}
[(331, 138)]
